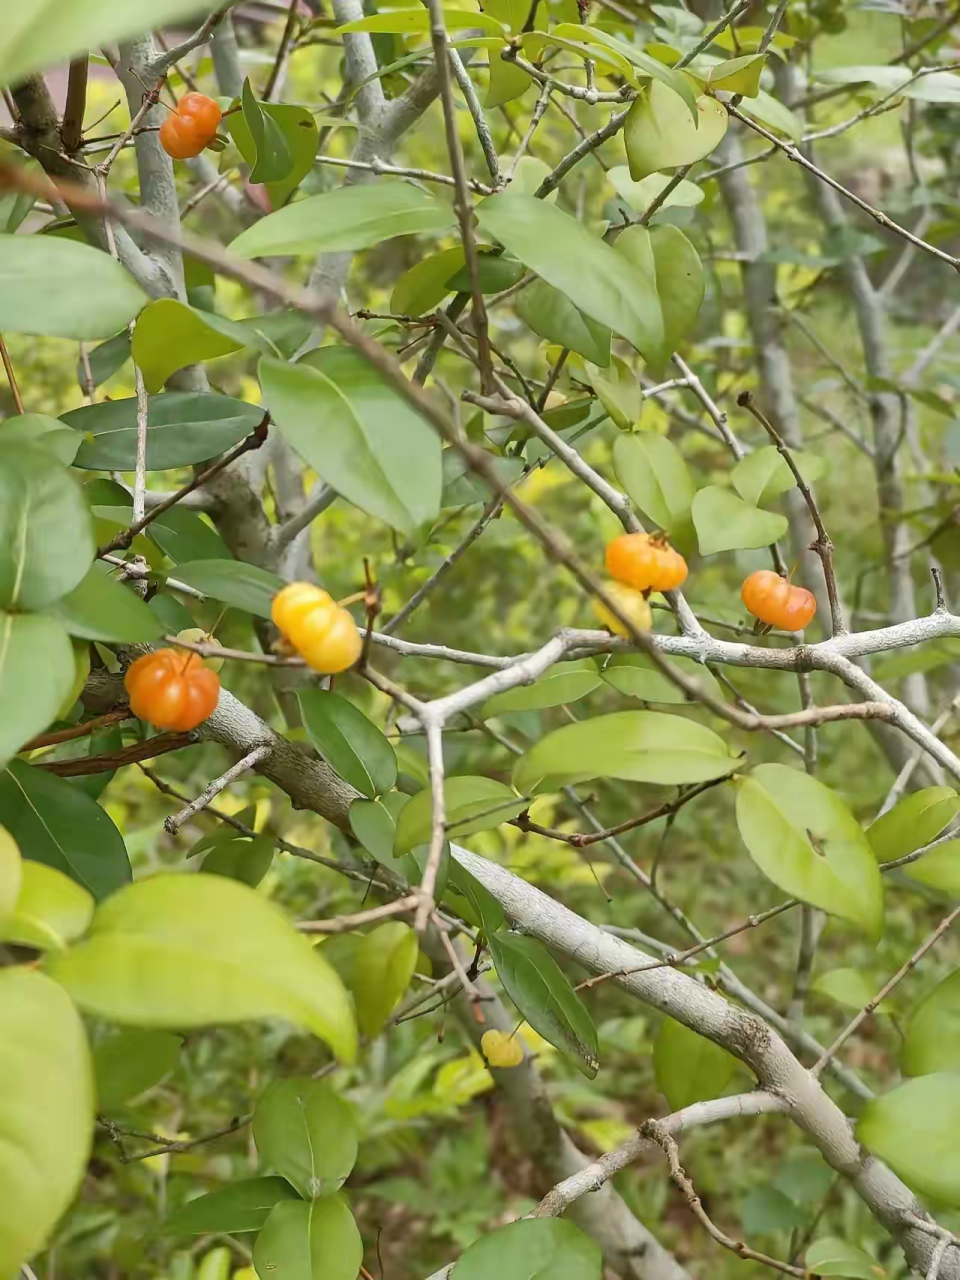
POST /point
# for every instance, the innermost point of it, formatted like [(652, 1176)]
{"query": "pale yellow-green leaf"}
[(51, 910)]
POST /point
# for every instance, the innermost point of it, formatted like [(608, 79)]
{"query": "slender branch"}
[(584, 148), (162, 64), (175, 821), (479, 120), (146, 750), (71, 128), (717, 29), (83, 730), (438, 832), (343, 924), (11, 376), (278, 63), (380, 167)]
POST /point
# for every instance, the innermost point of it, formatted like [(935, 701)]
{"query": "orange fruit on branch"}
[(190, 128), (646, 562), (172, 689), (776, 601)]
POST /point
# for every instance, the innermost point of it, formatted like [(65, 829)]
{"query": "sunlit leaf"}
[(532, 1249), (169, 335), (915, 1129), (472, 804), (51, 909)]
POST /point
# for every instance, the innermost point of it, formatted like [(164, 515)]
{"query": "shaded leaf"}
[(915, 1129), (617, 388), (565, 682), (660, 134), (539, 988), (830, 1256), (42, 432), (245, 860), (688, 1067), (678, 272), (471, 804), (848, 987), (314, 1241), (551, 315), (58, 824), (36, 676), (129, 1062), (932, 1042), (101, 608), (635, 675), (350, 743), (532, 1249), (640, 195), (385, 961), (913, 822), (243, 1206)]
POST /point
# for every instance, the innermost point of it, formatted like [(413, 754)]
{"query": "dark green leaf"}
[(234, 582), (551, 315), (243, 1206), (765, 1210), (538, 987), (63, 289), (185, 535), (665, 253), (374, 823), (105, 359), (129, 1062), (497, 271), (58, 824), (46, 533), (349, 742), (358, 434), (483, 910), (306, 1133), (426, 284), (617, 388), (688, 1067), (245, 860), (183, 427), (101, 608), (272, 157)]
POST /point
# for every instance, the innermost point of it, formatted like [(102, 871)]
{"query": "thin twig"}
[(78, 730), (885, 990), (175, 821), (824, 544), (146, 750), (11, 376), (343, 924)]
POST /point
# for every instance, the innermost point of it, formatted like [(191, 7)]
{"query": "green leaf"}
[(768, 111), (245, 860), (831, 1256), (183, 427), (46, 533), (187, 951), (551, 315), (170, 335), (11, 875), (938, 869), (471, 804), (426, 284), (738, 75), (105, 359), (848, 987), (63, 289), (531, 1249), (58, 824), (539, 988), (679, 276), (925, 657), (596, 279), (496, 271), (640, 195), (386, 959), (234, 582), (350, 743), (272, 157), (724, 522), (481, 907), (804, 838), (46, 1111), (39, 33), (688, 1067), (101, 608), (565, 682), (243, 1206), (36, 675), (638, 746), (505, 81), (635, 675), (129, 1062), (659, 133), (655, 476), (353, 217), (932, 1042), (184, 535), (766, 1210), (913, 822), (762, 476), (306, 1133), (617, 388), (42, 432), (314, 1241), (374, 823), (51, 909), (358, 434), (289, 148), (915, 1129)]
